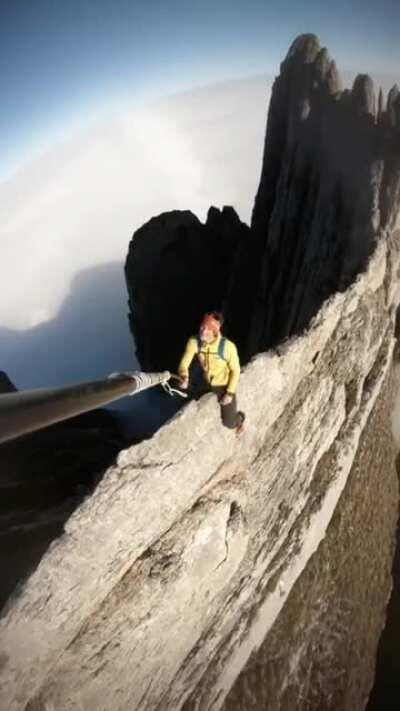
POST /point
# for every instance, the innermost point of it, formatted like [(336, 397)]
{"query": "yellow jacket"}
[(217, 371)]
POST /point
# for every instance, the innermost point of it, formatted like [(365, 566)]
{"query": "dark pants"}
[(230, 415)]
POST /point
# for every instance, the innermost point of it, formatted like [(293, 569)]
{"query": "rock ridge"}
[(206, 536), (330, 183), (178, 581)]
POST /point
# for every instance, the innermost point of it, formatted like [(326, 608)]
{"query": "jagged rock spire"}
[(393, 107), (329, 185), (380, 106)]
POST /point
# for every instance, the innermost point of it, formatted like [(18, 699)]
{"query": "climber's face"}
[(206, 334), (209, 328)]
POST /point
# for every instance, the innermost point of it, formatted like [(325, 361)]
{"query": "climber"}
[(219, 362)]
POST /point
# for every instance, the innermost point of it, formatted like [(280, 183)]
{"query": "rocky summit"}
[(329, 185)]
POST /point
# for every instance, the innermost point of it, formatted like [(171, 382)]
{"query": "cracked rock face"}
[(211, 549), (330, 183), (44, 477), (319, 653), (208, 572)]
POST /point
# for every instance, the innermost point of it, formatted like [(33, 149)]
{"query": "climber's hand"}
[(183, 383), (226, 399)]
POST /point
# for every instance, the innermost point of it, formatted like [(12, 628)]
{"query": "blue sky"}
[(64, 63)]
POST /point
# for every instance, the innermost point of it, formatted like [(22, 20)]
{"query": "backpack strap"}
[(221, 348)]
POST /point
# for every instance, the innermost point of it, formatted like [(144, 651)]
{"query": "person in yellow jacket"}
[(219, 361)]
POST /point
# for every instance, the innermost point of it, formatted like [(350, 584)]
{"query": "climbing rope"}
[(173, 391)]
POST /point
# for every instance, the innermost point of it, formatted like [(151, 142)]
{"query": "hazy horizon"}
[(65, 64)]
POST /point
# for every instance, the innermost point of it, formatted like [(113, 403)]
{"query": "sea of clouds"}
[(67, 218)]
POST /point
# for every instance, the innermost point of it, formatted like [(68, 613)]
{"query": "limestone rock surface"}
[(197, 549), (43, 478), (208, 572)]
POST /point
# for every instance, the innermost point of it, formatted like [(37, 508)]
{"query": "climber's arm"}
[(184, 365)]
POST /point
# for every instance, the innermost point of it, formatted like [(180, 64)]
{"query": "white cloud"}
[(77, 206), (66, 213)]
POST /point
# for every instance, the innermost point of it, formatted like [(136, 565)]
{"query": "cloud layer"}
[(77, 207)]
